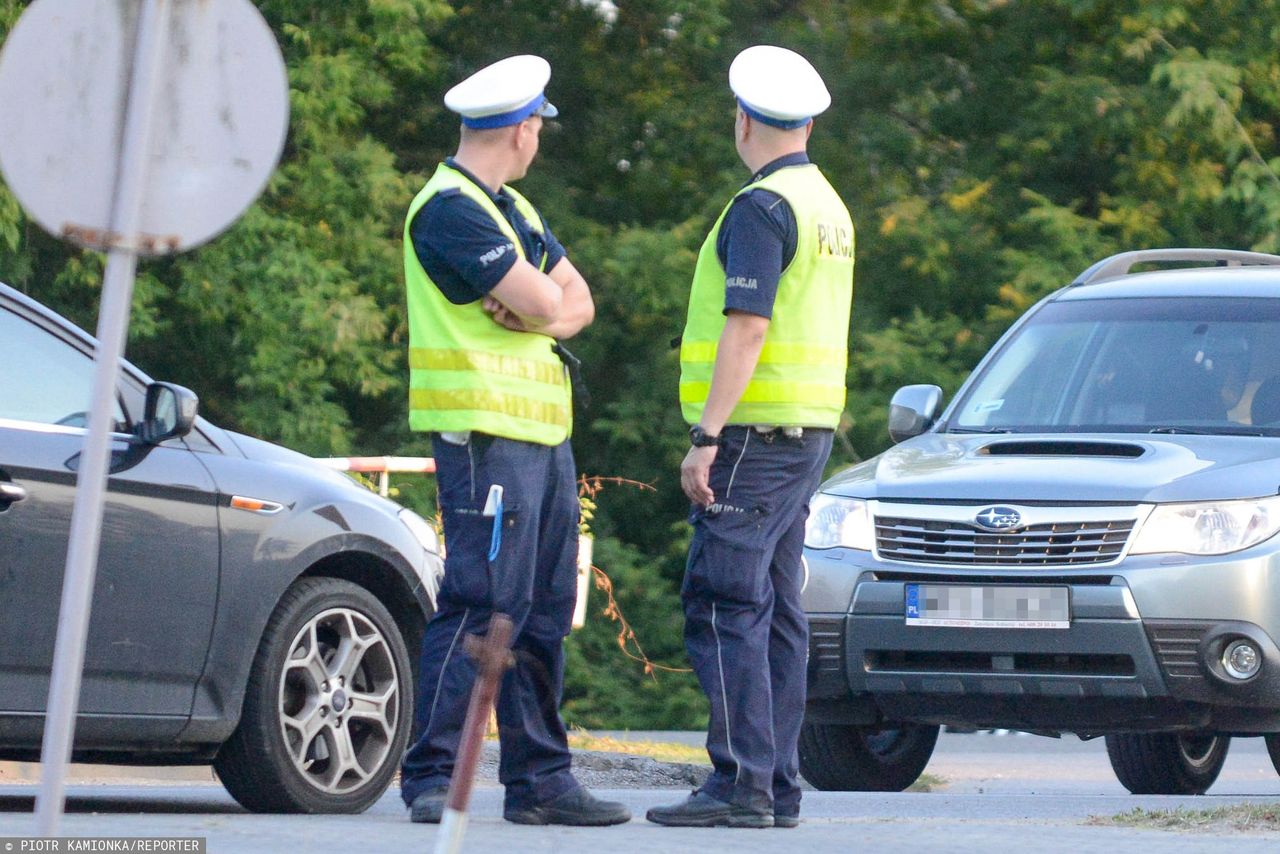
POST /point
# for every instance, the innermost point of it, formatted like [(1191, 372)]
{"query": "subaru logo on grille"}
[(999, 518)]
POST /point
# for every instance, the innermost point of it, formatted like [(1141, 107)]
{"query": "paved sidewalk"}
[(995, 794)]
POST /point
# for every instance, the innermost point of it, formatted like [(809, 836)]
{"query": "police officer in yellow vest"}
[(762, 382), (490, 292)]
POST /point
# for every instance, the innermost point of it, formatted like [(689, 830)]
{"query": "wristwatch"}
[(700, 438)]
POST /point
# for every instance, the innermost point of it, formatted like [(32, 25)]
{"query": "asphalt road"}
[(996, 793)]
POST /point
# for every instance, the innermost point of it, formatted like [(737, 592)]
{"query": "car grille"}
[(952, 542), (826, 657), (952, 661), (1178, 647), (826, 645)]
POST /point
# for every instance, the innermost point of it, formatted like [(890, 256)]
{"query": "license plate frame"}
[(987, 606)]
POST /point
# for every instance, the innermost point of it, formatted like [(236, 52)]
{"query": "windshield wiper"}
[(1186, 430), (979, 430), (1221, 431)]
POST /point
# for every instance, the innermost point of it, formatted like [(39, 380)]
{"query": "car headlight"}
[(421, 530), (1209, 528), (835, 521)]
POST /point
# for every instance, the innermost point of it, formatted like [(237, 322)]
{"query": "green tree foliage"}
[(989, 151), (291, 324)]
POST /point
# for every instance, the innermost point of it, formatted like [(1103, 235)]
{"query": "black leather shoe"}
[(576, 806), (702, 810), (781, 820), (428, 806)]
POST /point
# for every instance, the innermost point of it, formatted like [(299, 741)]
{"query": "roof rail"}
[(1118, 265)]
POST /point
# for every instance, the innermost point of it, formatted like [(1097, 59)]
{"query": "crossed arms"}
[(557, 303)]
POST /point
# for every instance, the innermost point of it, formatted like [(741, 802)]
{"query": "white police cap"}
[(777, 86), (504, 93)]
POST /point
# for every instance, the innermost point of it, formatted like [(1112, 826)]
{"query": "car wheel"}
[(328, 707), (840, 758), (1167, 763)]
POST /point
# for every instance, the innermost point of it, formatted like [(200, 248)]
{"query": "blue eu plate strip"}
[(913, 600)]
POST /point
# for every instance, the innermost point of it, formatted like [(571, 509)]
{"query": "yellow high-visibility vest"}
[(800, 378), (467, 372)]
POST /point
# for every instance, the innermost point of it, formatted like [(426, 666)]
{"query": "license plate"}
[(988, 607)]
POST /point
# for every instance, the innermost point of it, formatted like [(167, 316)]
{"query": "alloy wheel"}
[(1197, 749), (339, 700)]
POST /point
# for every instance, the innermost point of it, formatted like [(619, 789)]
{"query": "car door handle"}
[(11, 492)]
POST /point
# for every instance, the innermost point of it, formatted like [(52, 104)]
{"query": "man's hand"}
[(504, 316), (695, 475), (736, 358)]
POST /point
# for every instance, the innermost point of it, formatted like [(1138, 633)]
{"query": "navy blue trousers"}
[(745, 630), (533, 580)]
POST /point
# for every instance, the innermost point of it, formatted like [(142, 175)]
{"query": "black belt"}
[(776, 433)]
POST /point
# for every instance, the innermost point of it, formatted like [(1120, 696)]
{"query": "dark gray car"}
[(253, 609), (1083, 542)]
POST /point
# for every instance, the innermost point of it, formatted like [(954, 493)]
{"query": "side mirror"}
[(913, 410), (170, 412)]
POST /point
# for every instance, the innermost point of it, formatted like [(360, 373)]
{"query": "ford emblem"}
[(998, 518)]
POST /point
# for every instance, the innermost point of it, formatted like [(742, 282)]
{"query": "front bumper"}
[(1112, 670)]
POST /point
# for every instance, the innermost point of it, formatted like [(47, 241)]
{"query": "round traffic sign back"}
[(221, 113)]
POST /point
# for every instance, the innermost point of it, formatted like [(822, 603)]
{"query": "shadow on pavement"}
[(127, 804)]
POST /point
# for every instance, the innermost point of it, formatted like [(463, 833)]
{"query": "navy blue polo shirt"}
[(757, 242), (464, 251)]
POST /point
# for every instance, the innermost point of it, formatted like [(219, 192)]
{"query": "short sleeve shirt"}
[(465, 252), (757, 242)]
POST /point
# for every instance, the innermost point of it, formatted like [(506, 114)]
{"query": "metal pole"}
[(113, 323)]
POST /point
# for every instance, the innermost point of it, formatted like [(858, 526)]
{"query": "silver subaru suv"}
[(1082, 542)]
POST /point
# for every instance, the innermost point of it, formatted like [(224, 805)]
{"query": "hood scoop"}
[(1061, 448)]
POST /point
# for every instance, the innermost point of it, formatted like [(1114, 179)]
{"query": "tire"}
[(1167, 763), (326, 637), (840, 758), (1273, 748)]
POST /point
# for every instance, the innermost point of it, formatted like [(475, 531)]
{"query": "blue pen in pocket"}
[(493, 507)]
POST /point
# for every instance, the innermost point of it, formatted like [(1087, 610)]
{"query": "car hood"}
[(263, 451), (1112, 468)]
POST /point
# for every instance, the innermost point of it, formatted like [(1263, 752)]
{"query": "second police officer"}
[(762, 382)]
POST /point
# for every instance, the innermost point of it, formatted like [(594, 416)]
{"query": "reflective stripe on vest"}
[(492, 363), (799, 379), (776, 352), (511, 405), (467, 372), (818, 394)]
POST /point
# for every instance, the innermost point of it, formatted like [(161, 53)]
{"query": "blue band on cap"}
[(512, 117), (784, 124)]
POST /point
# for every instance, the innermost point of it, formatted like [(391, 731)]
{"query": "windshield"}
[(1175, 365)]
